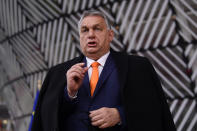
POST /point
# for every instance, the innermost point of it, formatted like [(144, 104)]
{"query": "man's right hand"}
[(75, 77)]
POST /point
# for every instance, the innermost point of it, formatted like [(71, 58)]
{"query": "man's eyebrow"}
[(98, 24), (85, 26)]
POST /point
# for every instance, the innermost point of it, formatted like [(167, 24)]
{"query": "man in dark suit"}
[(102, 89)]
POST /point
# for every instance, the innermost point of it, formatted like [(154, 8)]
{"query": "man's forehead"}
[(93, 21)]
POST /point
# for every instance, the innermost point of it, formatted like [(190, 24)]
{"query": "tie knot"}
[(95, 64)]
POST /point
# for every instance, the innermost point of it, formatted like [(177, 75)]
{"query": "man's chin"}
[(92, 51), (92, 54)]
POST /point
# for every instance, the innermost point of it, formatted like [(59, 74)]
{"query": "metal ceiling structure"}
[(36, 35)]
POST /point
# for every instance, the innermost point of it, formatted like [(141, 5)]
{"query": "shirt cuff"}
[(69, 98), (72, 97)]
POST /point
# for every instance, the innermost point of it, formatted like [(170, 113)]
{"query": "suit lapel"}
[(108, 68), (115, 60), (86, 81)]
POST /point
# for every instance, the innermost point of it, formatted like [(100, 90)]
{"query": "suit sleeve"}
[(122, 116), (168, 124)]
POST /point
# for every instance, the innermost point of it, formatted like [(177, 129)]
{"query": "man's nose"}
[(91, 33)]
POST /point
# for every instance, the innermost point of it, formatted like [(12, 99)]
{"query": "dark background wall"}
[(36, 35)]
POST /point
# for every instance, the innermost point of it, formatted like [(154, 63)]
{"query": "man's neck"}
[(97, 58)]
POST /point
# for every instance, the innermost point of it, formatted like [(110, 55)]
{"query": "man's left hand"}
[(105, 117)]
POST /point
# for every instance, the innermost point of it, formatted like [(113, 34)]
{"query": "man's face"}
[(95, 37)]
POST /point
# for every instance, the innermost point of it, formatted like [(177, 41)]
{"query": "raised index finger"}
[(80, 64)]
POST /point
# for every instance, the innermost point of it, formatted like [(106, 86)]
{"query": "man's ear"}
[(111, 35)]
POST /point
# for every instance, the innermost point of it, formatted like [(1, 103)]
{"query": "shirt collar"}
[(101, 60)]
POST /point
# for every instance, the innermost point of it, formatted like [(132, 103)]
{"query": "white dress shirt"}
[(101, 61)]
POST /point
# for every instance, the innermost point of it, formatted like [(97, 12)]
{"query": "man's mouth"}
[(92, 44)]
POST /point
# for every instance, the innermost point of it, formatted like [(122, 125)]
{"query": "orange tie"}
[(94, 77)]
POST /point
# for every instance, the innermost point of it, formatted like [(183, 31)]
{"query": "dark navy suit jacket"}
[(141, 95), (107, 94)]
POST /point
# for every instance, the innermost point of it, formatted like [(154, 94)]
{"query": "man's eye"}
[(84, 30), (97, 28)]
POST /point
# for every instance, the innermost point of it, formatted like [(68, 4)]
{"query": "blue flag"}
[(34, 107)]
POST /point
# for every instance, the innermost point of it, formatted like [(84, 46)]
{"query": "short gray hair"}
[(93, 13)]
